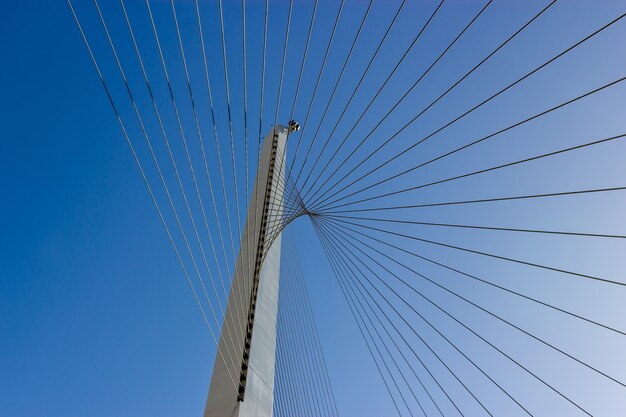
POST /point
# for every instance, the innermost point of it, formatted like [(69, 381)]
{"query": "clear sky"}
[(95, 316)]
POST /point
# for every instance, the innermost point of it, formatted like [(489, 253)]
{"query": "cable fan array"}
[(459, 164)]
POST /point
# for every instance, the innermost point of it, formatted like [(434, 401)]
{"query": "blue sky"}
[(95, 316)]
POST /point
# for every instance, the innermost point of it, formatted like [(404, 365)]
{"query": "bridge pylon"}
[(244, 386)]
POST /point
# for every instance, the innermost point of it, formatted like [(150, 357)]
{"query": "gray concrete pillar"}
[(244, 387)]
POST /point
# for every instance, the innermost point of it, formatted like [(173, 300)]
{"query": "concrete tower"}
[(243, 375)]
